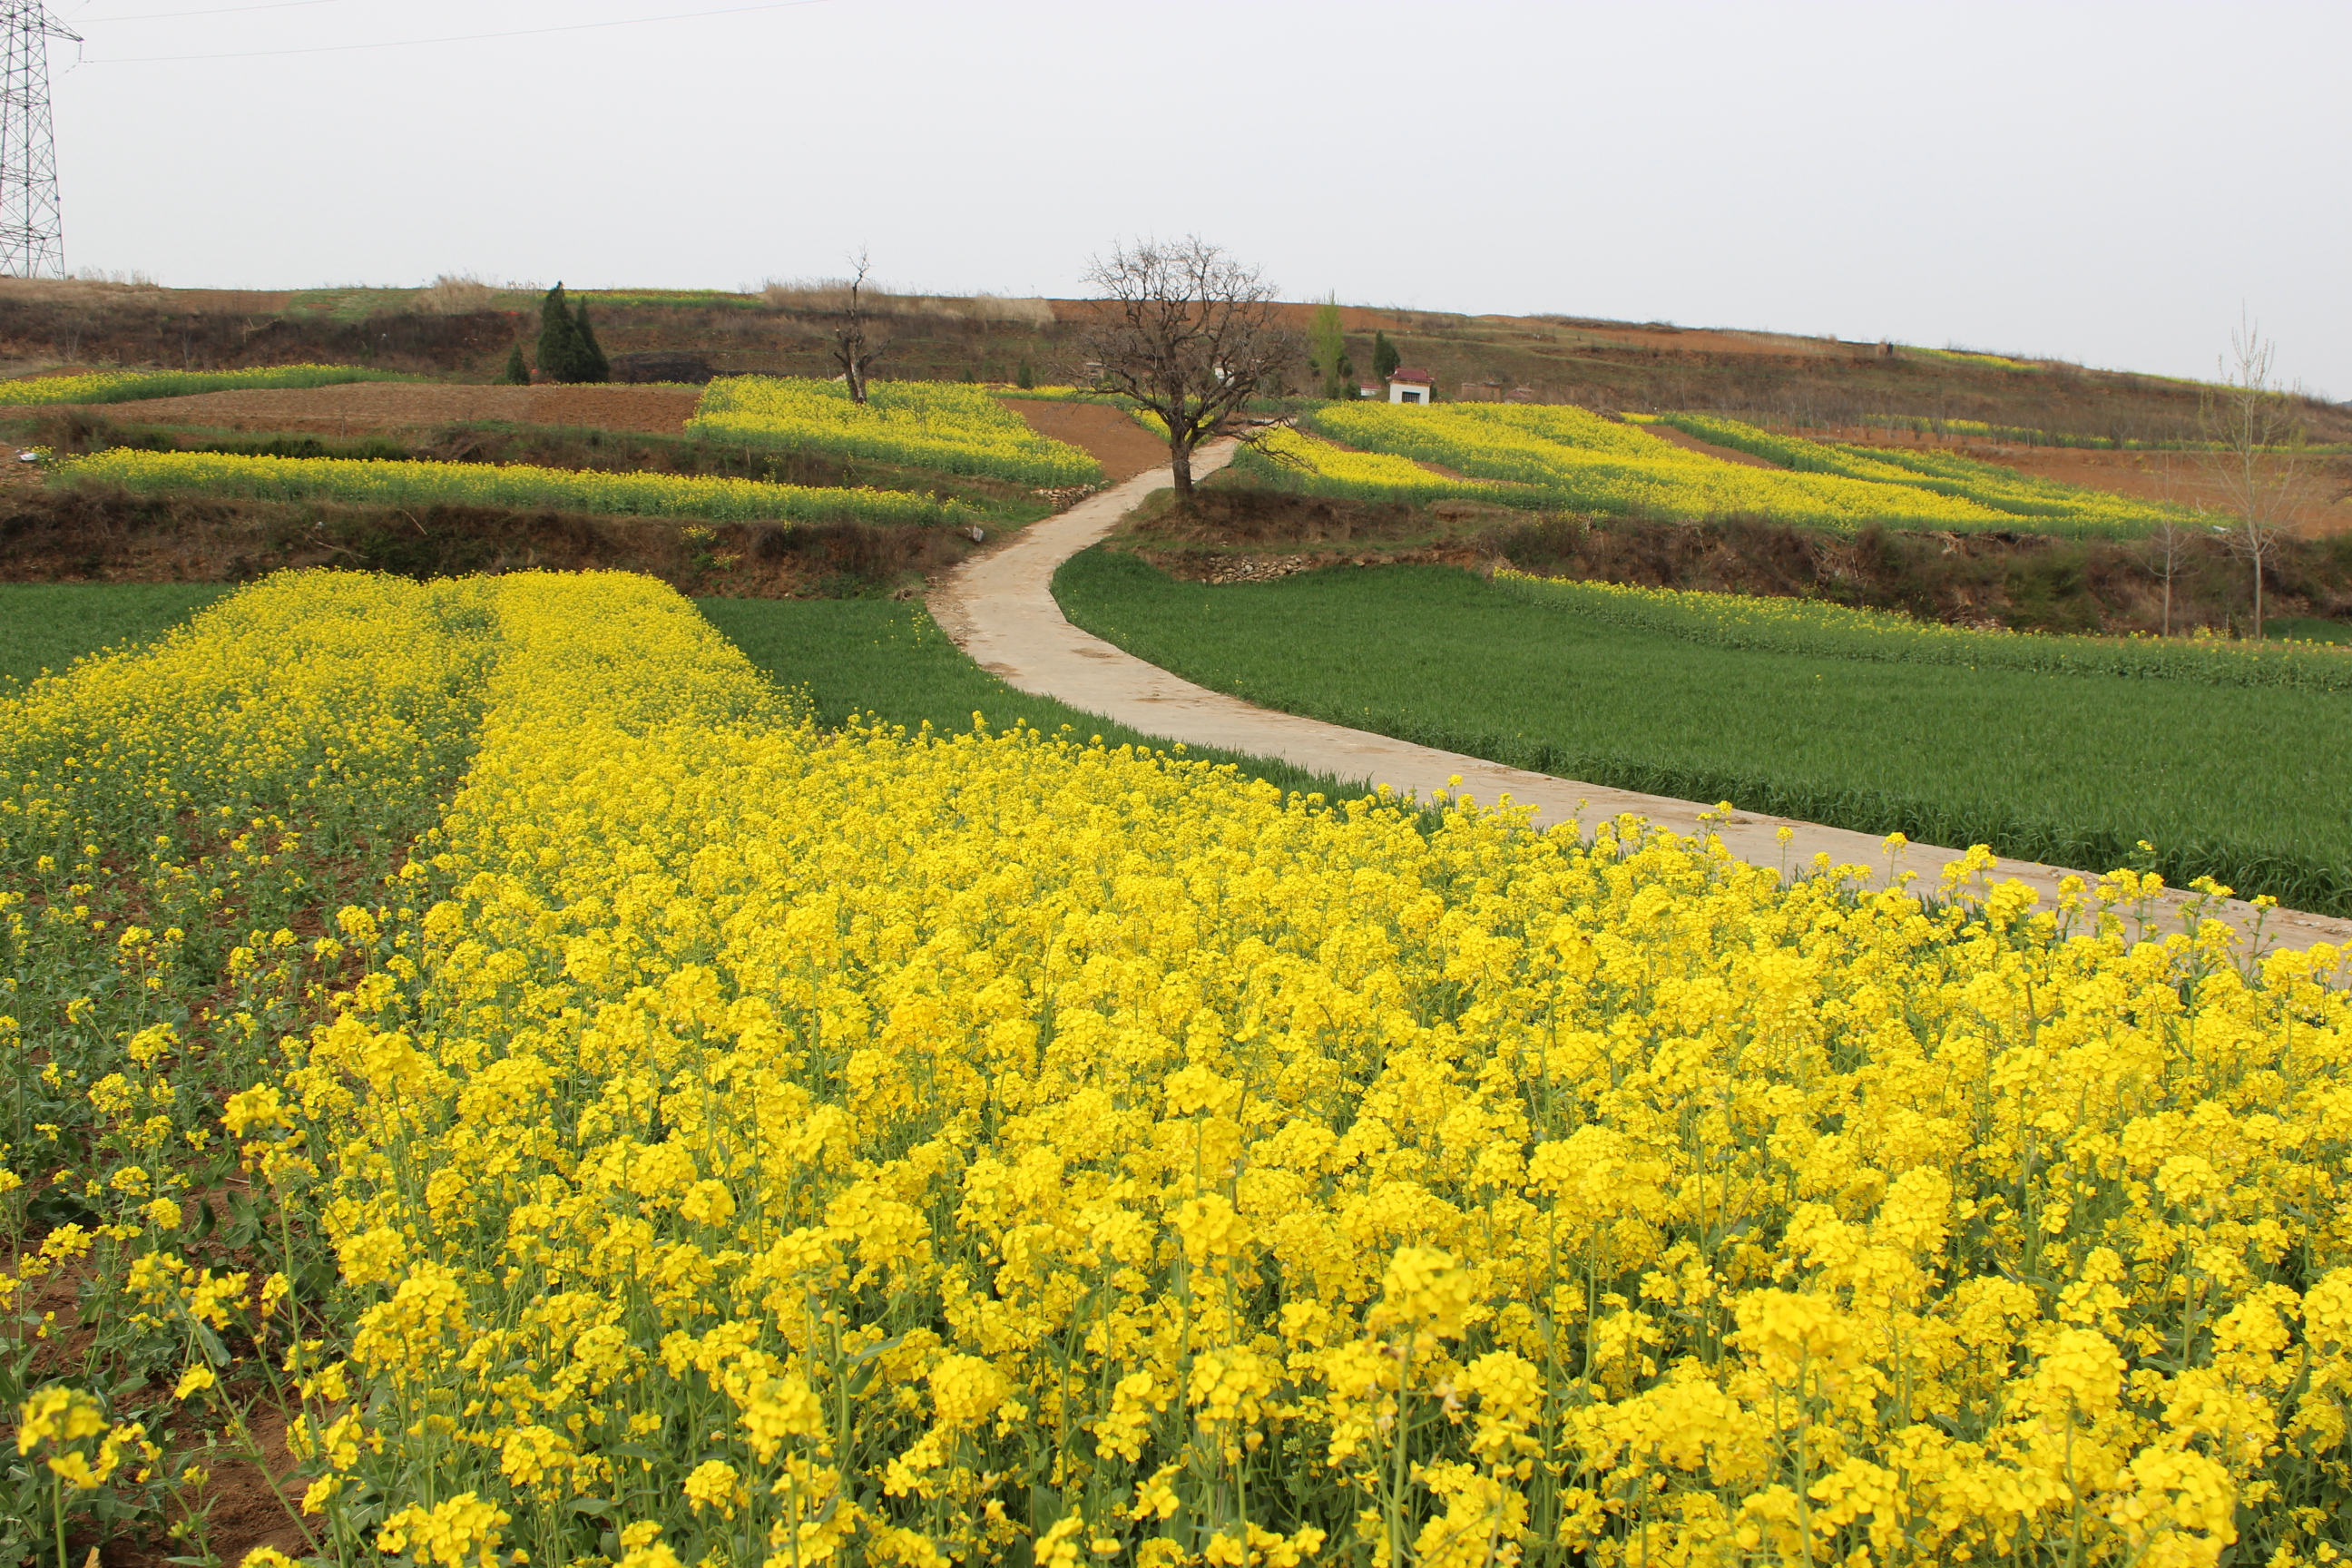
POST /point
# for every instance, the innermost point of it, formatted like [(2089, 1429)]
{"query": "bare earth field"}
[(359, 409), (1122, 446)]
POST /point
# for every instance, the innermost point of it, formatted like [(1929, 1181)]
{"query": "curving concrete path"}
[(999, 607)]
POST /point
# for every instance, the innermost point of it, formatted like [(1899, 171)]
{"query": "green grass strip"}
[(2071, 767), (516, 485), (130, 386), (46, 627), (888, 661), (1820, 629)]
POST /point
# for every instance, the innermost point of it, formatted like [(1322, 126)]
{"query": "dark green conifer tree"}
[(517, 373), (1385, 358), (559, 338), (591, 364)]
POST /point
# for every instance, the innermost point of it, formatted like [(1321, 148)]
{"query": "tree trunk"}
[(1180, 465)]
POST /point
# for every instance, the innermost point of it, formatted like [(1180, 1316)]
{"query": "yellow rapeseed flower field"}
[(1575, 458), (127, 385), (742, 1144), (1286, 456), (940, 425), (397, 483)]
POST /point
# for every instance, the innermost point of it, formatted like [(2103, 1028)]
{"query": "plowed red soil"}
[(1122, 446), (359, 409)]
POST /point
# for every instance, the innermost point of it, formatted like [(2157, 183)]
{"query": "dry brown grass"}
[(829, 294), (89, 288), (455, 294)]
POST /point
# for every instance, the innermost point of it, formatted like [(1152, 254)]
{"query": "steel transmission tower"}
[(32, 235)]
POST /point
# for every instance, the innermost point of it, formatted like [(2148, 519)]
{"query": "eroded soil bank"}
[(2023, 581)]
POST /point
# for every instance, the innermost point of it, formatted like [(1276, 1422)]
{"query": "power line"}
[(458, 39), (210, 11)]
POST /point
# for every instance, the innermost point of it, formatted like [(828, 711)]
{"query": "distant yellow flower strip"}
[(1575, 460), (1840, 631), (129, 385), (517, 485), (761, 1147), (930, 423), (1296, 461), (2046, 503)]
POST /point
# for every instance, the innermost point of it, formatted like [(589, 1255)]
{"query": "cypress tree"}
[(1025, 377), (517, 373), (592, 364), (1385, 358), (559, 338), (1327, 347)]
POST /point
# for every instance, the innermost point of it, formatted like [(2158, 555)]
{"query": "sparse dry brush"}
[(455, 294), (825, 295)]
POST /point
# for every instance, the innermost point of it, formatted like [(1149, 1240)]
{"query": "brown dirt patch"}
[(359, 409), (1707, 449), (1115, 440)]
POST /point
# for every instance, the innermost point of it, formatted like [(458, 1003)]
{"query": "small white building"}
[(1409, 386)]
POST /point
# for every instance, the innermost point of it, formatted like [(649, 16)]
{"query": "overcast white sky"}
[(2107, 182)]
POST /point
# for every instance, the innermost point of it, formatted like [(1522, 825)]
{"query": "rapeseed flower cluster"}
[(937, 424), (743, 1144), (1295, 459), (130, 385), (369, 482)]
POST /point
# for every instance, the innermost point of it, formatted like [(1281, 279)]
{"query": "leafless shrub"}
[(2253, 438), (455, 294)]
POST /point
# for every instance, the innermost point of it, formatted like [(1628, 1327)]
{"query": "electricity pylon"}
[(32, 235)]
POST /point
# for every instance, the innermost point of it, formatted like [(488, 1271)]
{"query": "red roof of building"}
[(1417, 377)]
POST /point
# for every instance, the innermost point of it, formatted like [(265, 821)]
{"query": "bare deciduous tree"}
[(2250, 436), (2165, 552), (850, 349), (1189, 333)]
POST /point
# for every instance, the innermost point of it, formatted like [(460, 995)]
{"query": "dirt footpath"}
[(363, 407), (1122, 446)]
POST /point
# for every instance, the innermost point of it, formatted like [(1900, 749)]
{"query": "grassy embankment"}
[(2242, 783)]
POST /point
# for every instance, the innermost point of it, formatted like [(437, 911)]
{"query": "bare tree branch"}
[(1187, 333), (850, 349), (2252, 438)]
